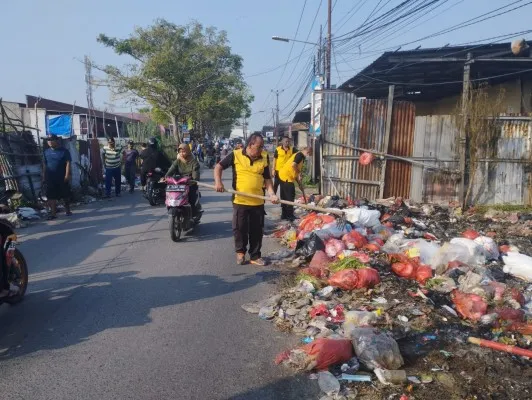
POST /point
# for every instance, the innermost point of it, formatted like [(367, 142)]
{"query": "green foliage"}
[(182, 72), (346, 263)]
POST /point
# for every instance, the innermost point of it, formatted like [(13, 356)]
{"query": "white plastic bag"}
[(519, 265), (477, 254), (394, 243), (490, 247), (332, 231), (363, 216), (422, 249)]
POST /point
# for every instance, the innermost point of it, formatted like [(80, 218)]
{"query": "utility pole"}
[(244, 133), (329, 46), (320, 50), (277, 93), (90, 104)]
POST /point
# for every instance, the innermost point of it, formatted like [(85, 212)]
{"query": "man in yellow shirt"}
[(251, 172), (288, 174), (280, 157)]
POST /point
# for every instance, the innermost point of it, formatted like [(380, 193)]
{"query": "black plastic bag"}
[(307, 247)]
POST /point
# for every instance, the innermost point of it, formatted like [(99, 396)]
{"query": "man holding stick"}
[(251, 172)]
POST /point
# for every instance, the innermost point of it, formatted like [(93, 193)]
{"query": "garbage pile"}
[(397, 301)]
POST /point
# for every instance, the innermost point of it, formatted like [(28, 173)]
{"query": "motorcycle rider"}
[(186, 165), (210, 153), (152, 158)]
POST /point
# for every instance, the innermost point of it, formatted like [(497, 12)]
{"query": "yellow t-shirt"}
[(282, 157), (287, 173), (248, 176)]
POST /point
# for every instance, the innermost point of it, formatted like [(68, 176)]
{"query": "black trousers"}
[(248, 228), (276, 182), (288, 192)]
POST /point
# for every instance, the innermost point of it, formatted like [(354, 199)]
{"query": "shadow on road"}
[(63, 317), (292, 388)]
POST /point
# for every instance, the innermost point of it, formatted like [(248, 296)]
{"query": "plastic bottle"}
[(328, 383)]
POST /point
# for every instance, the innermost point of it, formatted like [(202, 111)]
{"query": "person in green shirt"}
[(186, 165)]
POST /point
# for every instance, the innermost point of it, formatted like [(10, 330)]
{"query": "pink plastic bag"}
[(350, 279), (333, 247)]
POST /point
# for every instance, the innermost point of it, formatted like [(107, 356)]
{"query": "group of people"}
[(252, 175)]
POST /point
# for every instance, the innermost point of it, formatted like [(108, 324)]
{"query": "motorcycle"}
[(209, 162), (180, 212), (155, 188), (14, 265)]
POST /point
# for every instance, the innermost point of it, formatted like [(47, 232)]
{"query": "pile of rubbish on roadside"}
[(400, 300)]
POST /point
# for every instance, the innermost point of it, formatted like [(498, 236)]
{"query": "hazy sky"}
[(42, 40)]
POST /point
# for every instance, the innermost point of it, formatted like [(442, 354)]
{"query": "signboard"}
[(315, 106), (269, 134)]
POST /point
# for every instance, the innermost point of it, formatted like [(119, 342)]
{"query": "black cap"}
[(111, 140), (52, 137)]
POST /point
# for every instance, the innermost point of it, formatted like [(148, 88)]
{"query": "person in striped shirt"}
[(112, 160)]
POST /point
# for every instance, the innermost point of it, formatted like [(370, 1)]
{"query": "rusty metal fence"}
[(422, 160), (350, 125)]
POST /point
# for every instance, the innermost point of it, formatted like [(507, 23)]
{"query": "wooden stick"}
[(290, 203)]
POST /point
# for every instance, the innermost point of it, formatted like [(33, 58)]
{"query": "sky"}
[(43, 41)]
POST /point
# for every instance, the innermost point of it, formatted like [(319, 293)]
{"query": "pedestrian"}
[(288, 174), (251, 172), (130, 167), (56, 175), (280, 156), (112, 160), (238, 144)]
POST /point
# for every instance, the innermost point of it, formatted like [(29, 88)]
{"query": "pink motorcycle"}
[(182, 216)]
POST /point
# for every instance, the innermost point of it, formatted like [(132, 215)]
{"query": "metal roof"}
[(427, 74), (59, 107)]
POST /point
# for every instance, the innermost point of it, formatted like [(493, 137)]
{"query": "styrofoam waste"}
[(519, 265), (363, 216)]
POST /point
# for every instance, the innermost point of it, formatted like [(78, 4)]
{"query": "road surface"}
[(115, 310)]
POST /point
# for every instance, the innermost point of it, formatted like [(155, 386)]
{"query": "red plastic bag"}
[(327, 352), (524, 328), (337, 314), (350, 279), (354, 240), (320, 310), (517, 296), (510, 314), (366, 158), (423, 273), (470, 234), (320, 260), (404, 270), (468, 305), (368, 277), (360, 256), (315, 272), (373, 247)]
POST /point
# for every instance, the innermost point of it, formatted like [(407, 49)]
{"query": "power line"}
[(350, 14), (292, 47)]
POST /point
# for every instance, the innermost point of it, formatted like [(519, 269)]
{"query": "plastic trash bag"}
[(366, 158), (490, 247), (376, 349), (354, 240), (308, 247), (470, 234), (331, 231), (458, 251), (519, 265), (363, 216), (356, 319), (351, 279), (477, 254), (470, 306), (421, 248), (319, 355), (333, 247)]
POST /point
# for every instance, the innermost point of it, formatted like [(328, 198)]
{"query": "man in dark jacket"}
[(152, 158), (56, 175)]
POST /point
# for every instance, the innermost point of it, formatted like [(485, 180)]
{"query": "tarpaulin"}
[(60, 125)]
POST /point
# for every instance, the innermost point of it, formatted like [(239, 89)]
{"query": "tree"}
[(182, 72)]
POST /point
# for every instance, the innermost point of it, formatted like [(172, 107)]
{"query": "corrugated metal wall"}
[(361, 123), (435, 144), (504, 179), (398, 173)]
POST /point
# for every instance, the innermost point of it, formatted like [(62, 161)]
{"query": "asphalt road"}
[(116, 310)]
